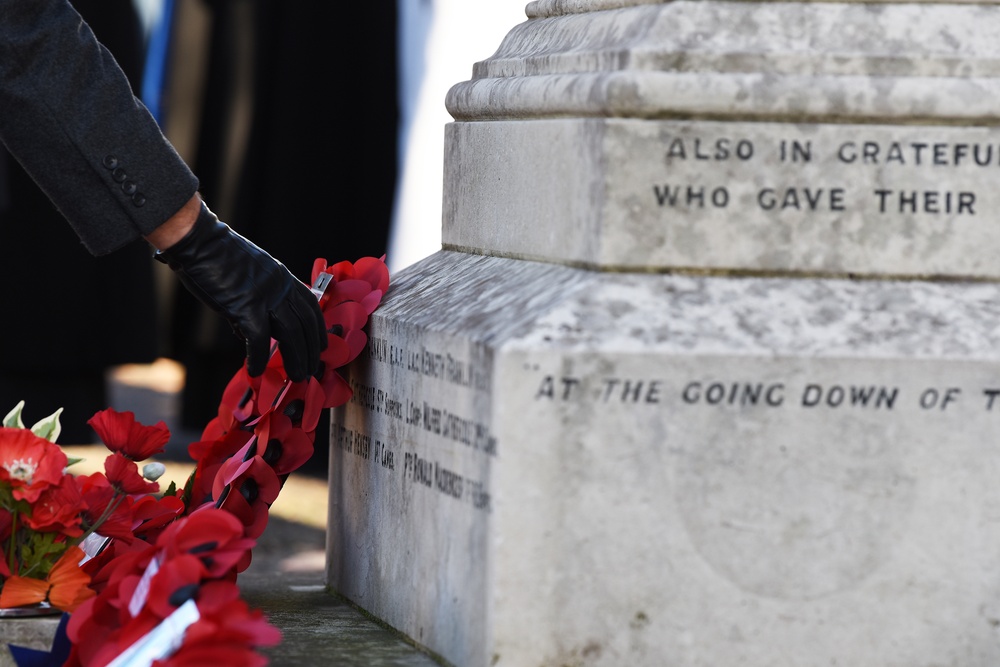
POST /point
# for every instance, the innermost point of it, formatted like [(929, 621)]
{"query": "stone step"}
[(320, 628)]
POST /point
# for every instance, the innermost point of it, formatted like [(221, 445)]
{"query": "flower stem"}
[(116, 500)]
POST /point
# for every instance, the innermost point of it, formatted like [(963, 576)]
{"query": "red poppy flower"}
[(151, 515), (58, 509), (271, 385), (302, 402), (210, 455), (374, 271), (102, 627), (30, 464), (115, 560), (346, 320), (364, 281), (247, 489), (226, 636), (349, 289), (318, 267), (121, 433), (98, 494), (221, 448), (124, 476), (201, 487), (216, 596), (369, 269), (337, 352), (214, 536), (336, 389), (358, 291), (93, 631), (238, 405), (282, 446), (177, 581)]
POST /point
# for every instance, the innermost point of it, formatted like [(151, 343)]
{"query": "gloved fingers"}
[(296, 336), (324, 339), (311, 316), (313, 324), (255, 292), (258, 352)]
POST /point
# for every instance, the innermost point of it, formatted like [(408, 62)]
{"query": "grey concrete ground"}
[(318, 628)]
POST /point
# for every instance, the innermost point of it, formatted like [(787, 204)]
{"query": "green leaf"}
[(171, 490), (48, 428), (188, 489), (40, 554), (13, 418), (73, 460)]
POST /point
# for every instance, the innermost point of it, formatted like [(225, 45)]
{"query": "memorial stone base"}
[(543, 466), (708, 371)]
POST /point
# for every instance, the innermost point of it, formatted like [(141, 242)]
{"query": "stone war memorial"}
[(707, 372)]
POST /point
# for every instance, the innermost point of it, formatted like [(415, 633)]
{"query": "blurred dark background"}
[(293, 133)]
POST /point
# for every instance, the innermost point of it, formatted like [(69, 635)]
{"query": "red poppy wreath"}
[(149, 577)]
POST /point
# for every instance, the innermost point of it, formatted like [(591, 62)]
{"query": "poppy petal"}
[(69, 582), (22, 591)]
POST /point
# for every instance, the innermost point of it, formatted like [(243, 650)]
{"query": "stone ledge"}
[(35, 633), (762, 60)]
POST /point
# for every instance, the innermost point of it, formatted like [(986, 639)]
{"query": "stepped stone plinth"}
[(707, 370)]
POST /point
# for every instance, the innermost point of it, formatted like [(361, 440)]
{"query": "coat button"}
[(128, 187), (110, 161), (119, 175), (138, 199)]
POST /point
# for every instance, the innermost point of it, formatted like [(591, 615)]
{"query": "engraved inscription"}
[(440, 365), (435, 476), (717, 393), (434, 410), (783, 186)]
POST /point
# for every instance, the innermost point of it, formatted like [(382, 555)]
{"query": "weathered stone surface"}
[(812, 137), (722, 196), (794, 61), (547, 466)]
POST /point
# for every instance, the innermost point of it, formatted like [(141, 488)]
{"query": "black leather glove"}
[(259, 297)]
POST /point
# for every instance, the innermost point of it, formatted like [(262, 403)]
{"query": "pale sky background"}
[(459, 33)]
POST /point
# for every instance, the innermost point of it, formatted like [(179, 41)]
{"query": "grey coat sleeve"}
[(68, 115)]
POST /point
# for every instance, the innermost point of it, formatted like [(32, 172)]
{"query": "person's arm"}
[(68, 115), (176, 227), (241, 282)]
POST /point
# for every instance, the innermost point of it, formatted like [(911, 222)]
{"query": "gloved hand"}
[(253, 291)]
